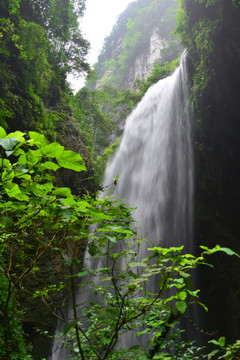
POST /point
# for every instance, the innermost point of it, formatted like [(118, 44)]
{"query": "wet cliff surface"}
[(211, 33)]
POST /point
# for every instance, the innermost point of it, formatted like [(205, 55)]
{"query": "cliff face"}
[(141, 38), (144, 62), (211, 32)]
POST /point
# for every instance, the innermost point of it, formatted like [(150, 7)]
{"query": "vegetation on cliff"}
[(130, 38)]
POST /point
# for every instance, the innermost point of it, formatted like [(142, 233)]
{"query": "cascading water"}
[(155, 162), (155, 165)]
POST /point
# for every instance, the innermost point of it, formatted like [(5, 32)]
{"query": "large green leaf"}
[(33, 157), (136, 264), (71, 160), (8, 144), (14, 191), (182, 295), (5, 164), (96, 215), (37, 139), (19, 135), (41, 189), (68, 214), (62, 191), (21, 197), (52, 150), (49, 165), (228, 251), (22, 159), (68, 201), (112, 239), (2, 132), (82, 273), (7, 175), (181, 306)]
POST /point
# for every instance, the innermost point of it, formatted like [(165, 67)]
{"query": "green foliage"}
[(33, 217), (100, 164), (35, 45), (160, 72), (200, 35), (40, 43), (223, 351), (14, 6), (121, 302), (95, 123), (15, 335), (36, 217), (5, 113), (60, 20)]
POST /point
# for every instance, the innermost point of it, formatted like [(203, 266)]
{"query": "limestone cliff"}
[(144, 62), (142, 37)]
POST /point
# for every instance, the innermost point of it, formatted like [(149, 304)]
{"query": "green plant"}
[(37, 217), (100, 164), (15, 335), (34, 217), (224, 351), (95, 123), (121, 303)]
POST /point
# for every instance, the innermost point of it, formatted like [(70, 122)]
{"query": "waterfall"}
[(154, 164)]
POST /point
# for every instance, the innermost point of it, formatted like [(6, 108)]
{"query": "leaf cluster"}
[(90, 109), (35, 216), (38, 220), (116, 300)]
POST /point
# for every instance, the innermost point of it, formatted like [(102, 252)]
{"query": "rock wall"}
[(217, 144), (144, 63)]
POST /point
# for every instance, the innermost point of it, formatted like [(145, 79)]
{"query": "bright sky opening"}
[(96, 25)]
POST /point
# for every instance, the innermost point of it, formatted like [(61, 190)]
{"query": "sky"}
[(97, 23)]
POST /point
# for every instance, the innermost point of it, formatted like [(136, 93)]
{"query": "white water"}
[(155, 162), (155, 166)]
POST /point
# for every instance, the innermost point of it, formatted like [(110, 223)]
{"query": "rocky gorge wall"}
[(135, 43), (144, 62), (211, 34)]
